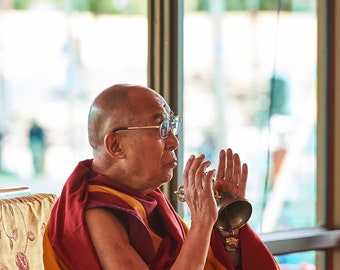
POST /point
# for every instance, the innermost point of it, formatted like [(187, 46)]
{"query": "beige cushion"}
[(22, 224)]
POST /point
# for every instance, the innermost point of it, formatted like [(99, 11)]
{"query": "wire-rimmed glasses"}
[(172, 124)]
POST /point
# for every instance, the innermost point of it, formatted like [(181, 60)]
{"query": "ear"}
[(112, 145)]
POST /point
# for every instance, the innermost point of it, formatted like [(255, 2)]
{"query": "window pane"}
[(299, 261), (250, 84), (55, 56)]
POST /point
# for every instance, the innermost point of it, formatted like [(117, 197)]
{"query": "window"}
[(250, 84), (55, 56)]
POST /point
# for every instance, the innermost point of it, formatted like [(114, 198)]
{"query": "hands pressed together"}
[(199, 184)]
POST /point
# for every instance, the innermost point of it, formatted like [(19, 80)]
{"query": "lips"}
[(171, 164), (170, 161)]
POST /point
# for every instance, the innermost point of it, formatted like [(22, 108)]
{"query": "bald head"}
[(112, 107)]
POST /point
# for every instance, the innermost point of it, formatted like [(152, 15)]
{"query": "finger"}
[(207, 179), (244, 175), (230, 165), (189, 163), (208, 184), (237, 166), (200, 174), (221, 166), (243, 181), (187, 169), (197, 162), (196, 165)]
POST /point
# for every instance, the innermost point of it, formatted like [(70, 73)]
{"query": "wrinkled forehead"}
[(145, 105)]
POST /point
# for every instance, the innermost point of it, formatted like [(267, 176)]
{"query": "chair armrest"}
[(22, 225)]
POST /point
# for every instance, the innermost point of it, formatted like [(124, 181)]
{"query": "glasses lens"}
[(175, 125), (167, 125), (164, 129)]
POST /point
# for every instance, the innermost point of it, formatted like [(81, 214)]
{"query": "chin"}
[(167, 179), (164, 177), (171, 175)]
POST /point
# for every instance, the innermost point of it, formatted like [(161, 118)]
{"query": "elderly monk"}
[(111, 213)]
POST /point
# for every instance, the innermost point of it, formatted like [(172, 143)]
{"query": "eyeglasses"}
[(173, 124)]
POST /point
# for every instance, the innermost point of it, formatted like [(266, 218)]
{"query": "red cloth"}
[(66, 231), (67, 235)]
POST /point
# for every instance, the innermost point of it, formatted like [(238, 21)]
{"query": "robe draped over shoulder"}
[(155, 230)]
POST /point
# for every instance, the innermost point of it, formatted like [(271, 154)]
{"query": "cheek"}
[(148, 154), (150, 146), (149, 159), (146, 148)]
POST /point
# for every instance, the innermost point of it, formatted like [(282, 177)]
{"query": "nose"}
[(172, 141)]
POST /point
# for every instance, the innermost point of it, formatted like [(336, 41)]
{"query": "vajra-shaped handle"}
[(180, 194)]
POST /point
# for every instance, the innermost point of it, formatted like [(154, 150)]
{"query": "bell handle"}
[(180, 194)]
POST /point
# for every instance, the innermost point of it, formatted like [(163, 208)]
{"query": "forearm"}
[(193, 254)]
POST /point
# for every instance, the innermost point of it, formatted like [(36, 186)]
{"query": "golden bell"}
[(233, 212)]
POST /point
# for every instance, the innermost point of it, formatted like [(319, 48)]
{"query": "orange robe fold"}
[(154, 228)]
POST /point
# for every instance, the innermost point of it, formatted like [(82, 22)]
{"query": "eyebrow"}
[(162, 116), (158, 116)]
